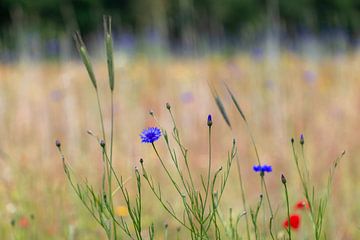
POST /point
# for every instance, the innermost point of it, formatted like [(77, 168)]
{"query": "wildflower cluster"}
[(201, 215)]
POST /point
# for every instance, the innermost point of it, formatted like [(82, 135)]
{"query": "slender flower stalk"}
[(243, 198), (262, 174), (254, 216), (209, 123), (165, 168), (182, 148), (306, 170), (283, 180)]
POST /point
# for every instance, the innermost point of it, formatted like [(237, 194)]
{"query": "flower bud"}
[(168, 106), (209, 120), (58, 143), (283, 179), (302, 141)]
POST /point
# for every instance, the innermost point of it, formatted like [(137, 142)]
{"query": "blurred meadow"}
[(289, 78)]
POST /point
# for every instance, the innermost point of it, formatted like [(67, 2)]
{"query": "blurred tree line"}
[(180, 19)]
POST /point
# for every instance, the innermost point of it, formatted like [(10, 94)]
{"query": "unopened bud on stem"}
[(168, 106), (58, 143), (209, 120), (302, 141)]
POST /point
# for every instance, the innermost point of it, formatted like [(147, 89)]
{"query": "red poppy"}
[(294, 222), (302, 205), (24, 222)]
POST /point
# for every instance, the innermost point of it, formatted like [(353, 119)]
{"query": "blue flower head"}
[(263, 168), (150, 135)]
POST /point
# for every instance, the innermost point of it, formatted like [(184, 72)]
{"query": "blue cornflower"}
[(150, 135), (263, 168)]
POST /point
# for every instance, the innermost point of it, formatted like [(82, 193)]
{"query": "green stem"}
[(166, 170), (111, 159), (243, 197), (183, 151), (124, 193), (101, 115), (306, 191), (288, 210), (254, 145), (208, 184), (307, 179), (270, 208), (158, 196)]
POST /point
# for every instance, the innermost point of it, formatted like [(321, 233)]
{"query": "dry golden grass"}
[(40, 102)]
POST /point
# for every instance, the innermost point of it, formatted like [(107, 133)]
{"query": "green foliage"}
[(176, 16)]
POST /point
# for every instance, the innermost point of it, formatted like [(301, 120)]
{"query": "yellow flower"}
[(121, 211)]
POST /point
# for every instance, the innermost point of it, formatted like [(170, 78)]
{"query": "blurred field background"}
[(294, 66)]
